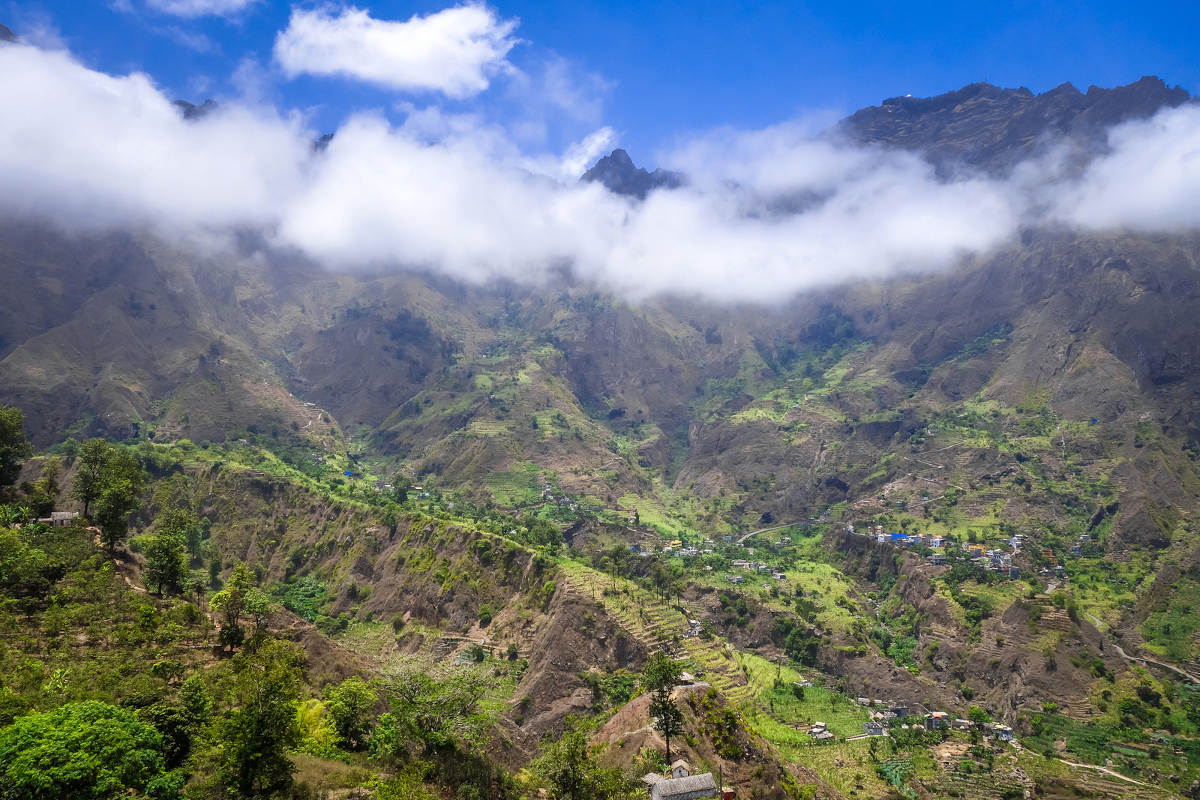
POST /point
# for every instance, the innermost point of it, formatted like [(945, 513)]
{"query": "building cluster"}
[(990, 559), (560, 499), (886, 716)]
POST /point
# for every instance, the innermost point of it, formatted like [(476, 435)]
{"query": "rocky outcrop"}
[(617, 171)]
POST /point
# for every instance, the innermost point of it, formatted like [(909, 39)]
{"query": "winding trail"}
[(1107, 771), (1142, 659), (746, 536), (1096, 767)]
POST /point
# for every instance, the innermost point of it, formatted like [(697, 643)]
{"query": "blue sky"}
[(660, 72)]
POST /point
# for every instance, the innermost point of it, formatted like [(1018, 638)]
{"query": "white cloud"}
[(1150, 181), (90, 149), (199, 8), (454, 51), (767, 213)]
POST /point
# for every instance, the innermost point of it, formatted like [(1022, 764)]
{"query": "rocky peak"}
[(618, 172), (192, 111), (993, 128), (6, 35)]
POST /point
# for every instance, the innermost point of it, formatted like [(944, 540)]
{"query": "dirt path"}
[(1107, 771), (772, 528), (1143, 660)]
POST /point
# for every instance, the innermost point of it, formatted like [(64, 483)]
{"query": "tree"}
[(14, 447), (121, 485), (350, 703), (166, 563), (25, 570), (254, 738), (660, 677), (89, 469), (196, 700), (543, 533), (401, 486), (186, 525), (83, 750), (43, 493), (978, 715), (437, 713), (240, 596), (572, 772)]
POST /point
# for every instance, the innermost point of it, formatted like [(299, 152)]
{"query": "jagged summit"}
[(193, 111), (6, 34), (991, 127), (618, 172)]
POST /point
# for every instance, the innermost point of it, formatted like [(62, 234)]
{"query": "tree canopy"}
[(109, 480), (83, 750)]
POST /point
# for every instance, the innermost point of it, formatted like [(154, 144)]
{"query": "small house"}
[(680, 769), (1003, 732), (692, 787), (820, 732), (936, 719), (873, 728), (961, 724)]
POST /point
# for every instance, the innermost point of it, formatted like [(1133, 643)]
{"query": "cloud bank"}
[(768, 213), (454, 51)]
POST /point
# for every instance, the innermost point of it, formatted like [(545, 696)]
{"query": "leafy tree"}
[(438, 714), (122, 483), (24, 569), (171, 720), (184, 524), (90, 460), (254, 738), (571, 770), (240, 596), (43, 493), (83, 750), (14, 515), (978, 715), (350, 703), (401, 486), (14, 447), (660, 677), (111, 479), (315, 731), (543, 534), (196, 700), (166, 562)]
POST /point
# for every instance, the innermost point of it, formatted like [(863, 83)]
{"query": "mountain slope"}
[(1047, 387)]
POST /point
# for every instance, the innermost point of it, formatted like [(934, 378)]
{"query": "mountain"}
[(1044, 390), (988, 127), (7, 35), (617, 172)]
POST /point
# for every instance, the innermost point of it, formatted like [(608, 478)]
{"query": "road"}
[(1142, 659), (772, 528)]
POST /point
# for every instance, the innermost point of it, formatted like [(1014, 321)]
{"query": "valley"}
[(926, 536)]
